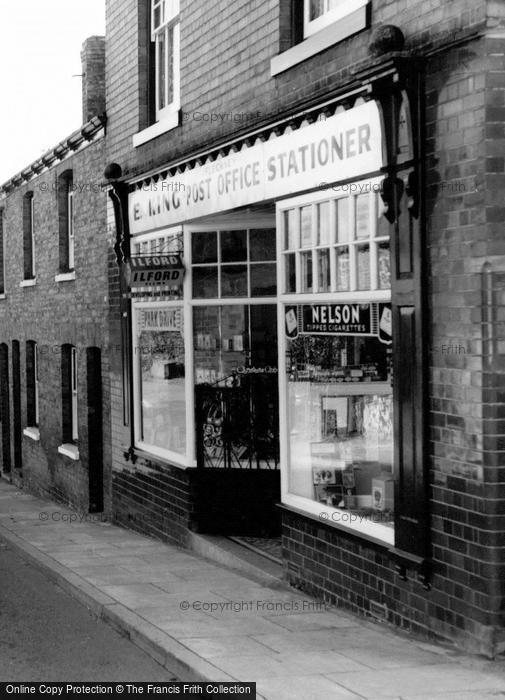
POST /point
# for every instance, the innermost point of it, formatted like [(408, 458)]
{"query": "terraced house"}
[(307, 268), (54, 398)]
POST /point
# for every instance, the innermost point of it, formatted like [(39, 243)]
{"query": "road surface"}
[(46, 635)]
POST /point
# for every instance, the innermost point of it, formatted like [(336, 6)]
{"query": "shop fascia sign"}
[(156, 270), (372, 319), (346, 145)]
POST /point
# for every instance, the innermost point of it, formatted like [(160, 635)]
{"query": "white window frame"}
[(73, 390), (32, 234), (70, 230), (169, 10), (36, 381), (148, 244), (343, 8), (325, 514)]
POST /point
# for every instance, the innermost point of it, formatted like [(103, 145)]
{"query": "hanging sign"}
[(156, 271), (346, 145)]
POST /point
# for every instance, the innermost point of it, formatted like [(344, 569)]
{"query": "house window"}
[(32, 384), (69, 394), (336, 359), (165, 35), (70, 229), (2, 267), (321, 13), (66, 221), (28, 237)]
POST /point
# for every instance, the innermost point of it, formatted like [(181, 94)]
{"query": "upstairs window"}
[(66, 221), (321, 13), (165, 35), (28, 237)]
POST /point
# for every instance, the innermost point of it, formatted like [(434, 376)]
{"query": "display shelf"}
[(350, 388)]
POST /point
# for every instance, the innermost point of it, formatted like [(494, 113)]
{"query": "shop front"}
[(265, 366)]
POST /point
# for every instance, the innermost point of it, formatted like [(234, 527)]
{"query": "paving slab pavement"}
[(207, 622)]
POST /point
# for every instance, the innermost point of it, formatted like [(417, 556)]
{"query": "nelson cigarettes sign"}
[(344, 146), (156, 271)]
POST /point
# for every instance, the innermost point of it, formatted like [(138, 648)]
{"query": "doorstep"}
[(230, 553)]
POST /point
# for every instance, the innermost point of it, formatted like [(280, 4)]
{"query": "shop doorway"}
[(236, 381)]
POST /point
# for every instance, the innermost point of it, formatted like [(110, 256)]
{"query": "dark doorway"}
[(5, 408), (16, 405), (237, 420), (95, 428)]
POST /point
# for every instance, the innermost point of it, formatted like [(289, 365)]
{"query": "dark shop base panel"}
[(237, 502)]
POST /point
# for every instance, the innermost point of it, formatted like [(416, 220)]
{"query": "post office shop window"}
[(336, 362), (160, 378), (237, 263), (236, 385), (339, 244)]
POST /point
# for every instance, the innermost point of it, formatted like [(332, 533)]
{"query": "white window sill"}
[(2, 296), (28, 283), (32, 433), (167, 123), (69, 450), (323, 39), (65, 276)]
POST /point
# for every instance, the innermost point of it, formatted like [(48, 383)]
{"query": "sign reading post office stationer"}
[(344, 146)]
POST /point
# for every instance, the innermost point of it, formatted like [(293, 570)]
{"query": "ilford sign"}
[(344, 146), (156, 271)]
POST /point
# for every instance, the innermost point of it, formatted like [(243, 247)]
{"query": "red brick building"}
[(54, 395), (306, 286)]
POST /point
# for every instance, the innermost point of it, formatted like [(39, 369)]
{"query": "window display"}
[(340, 421), (337, 359), (159, 357)]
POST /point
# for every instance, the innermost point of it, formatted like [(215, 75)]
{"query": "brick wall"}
[(53, 314), (227, 68)]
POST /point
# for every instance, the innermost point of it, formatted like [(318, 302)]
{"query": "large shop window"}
[(336, 360), (159, 358)]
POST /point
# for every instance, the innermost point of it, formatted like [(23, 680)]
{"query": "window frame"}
[(177, 459), (169, 10), (324, 514), (219, 265), (70, 230), (330, 16), (74, 393), (32, 384)]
